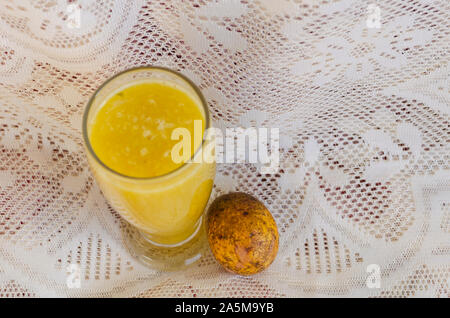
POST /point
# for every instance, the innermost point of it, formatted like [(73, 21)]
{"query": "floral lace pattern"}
[(363, 113)]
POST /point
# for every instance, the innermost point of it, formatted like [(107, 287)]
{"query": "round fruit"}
[(242, 233)]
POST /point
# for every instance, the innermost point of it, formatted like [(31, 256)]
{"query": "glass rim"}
[(87, 142)]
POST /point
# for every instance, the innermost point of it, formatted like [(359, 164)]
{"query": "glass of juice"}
[(147, 142)]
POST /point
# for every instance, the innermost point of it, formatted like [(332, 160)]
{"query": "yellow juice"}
[(132, 131), (129, 132)]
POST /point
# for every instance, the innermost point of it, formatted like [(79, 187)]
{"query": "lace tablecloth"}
[(359, 91)]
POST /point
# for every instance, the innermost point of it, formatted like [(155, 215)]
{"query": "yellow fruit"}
[(242, 233)]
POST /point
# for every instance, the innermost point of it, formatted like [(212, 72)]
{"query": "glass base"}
[(165, 257)]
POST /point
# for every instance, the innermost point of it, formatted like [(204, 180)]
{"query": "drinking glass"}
[(162, 216)]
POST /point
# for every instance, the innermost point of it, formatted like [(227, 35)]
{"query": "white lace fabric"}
[(363, 111)]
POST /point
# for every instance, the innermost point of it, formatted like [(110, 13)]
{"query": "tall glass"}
[(163, 214)]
